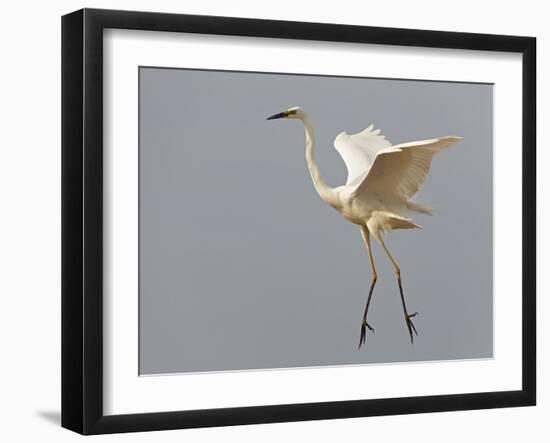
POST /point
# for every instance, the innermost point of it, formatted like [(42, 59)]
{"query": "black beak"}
[(279, 115)]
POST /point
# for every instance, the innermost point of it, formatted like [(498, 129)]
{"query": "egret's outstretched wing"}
[(359, 150), (400, 170)]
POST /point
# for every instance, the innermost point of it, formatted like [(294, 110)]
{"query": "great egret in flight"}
[(382, 179)]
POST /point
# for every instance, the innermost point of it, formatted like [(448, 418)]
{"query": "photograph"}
[(293, 221), (270, 221)]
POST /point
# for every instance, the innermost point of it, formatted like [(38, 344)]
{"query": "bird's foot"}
[(410, 325), (363, 337)]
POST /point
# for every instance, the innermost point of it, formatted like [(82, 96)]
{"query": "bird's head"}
[(294, 112)]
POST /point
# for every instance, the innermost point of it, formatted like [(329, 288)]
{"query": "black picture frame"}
[(82, 216)]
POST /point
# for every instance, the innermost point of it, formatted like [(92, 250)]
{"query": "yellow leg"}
[(408, 321), (366, 239)]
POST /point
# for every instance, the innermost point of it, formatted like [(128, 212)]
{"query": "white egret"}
[(377, 196)]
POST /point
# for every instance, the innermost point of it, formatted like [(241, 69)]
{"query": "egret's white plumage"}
[(382, 180), (359, 150)]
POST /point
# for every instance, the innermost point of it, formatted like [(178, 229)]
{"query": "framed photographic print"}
[(269, 221)]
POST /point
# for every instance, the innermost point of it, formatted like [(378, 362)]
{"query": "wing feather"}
[(400, 170), (359, 150)]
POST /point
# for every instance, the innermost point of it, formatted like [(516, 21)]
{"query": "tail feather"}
[(418, 207), (384, 221)]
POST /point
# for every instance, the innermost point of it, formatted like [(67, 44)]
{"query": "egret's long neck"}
[(324, 191)]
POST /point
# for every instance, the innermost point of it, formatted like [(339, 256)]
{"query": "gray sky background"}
[(243, 266)]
